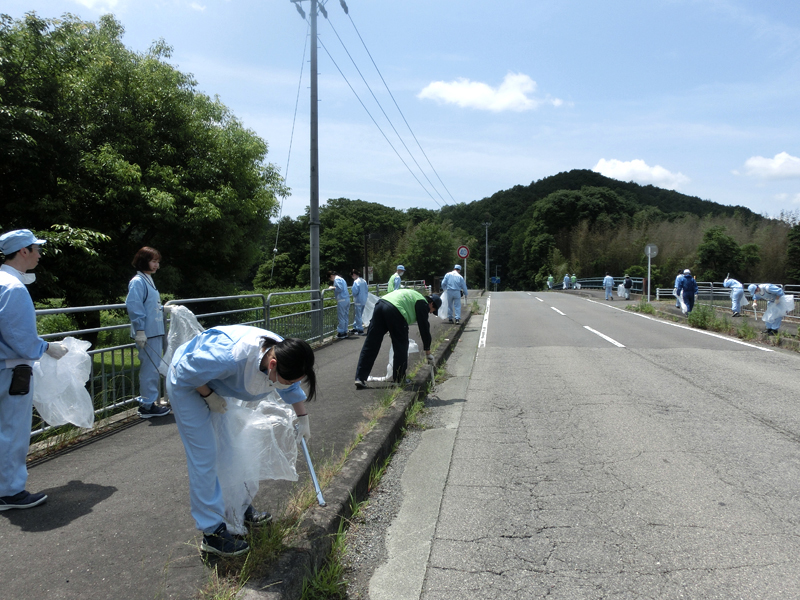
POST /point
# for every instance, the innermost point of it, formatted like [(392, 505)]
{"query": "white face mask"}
[(27, 278), (277, 384)]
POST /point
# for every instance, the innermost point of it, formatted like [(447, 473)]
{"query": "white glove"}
[(216, 403), (56, 350), (140, 339), (303, 429), (431, 359)]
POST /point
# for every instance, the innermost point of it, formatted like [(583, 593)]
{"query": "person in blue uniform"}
[(242, 362), (360, 293), (678, 279), (608, 286), (566, 281), (737, 295), (687, 286), (20, 347), (769, 292), (455, 286), (147, 329), (342, 296)]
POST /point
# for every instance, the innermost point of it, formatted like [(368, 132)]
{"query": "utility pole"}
[(486, 270)]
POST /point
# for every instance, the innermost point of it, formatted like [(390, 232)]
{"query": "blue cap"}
[(752, 289), (400, 268), (457, 267), (12, 241)]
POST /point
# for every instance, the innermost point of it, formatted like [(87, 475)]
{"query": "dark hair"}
[(11, 255), (295, 360), (141, 261), (332, 273), (355, 272)]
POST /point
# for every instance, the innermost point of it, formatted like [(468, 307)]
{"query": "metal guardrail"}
[(596, 283), (714, 294), (114, 383)]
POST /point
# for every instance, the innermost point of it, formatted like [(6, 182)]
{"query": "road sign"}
[(651, 251), (463, 252), (494, 279)]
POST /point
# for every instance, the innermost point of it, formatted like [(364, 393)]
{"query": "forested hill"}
[(507, 206)]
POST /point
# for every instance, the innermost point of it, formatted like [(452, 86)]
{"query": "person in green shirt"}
[(394, 280), (394, 313), (550, 282)]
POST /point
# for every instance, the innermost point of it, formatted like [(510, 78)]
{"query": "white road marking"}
[(605, 337), (558, 311), (485, 326), (539, 299), (716, 335)]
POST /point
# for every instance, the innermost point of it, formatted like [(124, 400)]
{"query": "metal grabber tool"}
[(320, 498)]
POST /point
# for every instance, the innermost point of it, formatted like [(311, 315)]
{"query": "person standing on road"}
[(627, 284), (146, 313), (455, 286), (566, 281), (771, 293), (687, 287), (394, 312), (608, 286), (242, 362), (737, 295), (342, 296), (574, 282), (550, 282), (394, 280), (678, 280), (20, 347), (360, 294)]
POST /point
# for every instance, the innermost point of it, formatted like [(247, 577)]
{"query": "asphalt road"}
[(117, 523), (599, 454)]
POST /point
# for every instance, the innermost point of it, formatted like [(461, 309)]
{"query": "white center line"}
[(485, 326), (558, 311), (605, 337), (539, 299)]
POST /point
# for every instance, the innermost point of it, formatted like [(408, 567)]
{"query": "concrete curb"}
[(320, 524)]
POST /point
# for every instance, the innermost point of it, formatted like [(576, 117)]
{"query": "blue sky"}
[(701, 96)]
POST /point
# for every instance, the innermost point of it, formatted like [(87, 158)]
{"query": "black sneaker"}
[(223, 543), (154, 410), (359, 332), (341, 335), (361, 384), (458, 321), (736, 314), (449, 320), (256, 518), (22, 500)]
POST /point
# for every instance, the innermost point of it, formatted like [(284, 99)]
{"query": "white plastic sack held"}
[(684, 308), (369, 307), (621, 290), (183, 326), (413, 348), (253, 444), (778, 309), (59, 386), (445, 296)]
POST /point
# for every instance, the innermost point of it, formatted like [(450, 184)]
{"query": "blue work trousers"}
[(609, 292), (737, 295), (149, 377), (15, 436), (358, 319), (453, 304), (343, 314)]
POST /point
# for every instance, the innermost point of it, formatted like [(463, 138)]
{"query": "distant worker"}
[(687, 287), (394, 312), (455, 286), (146, 314), (608, 286), (627, 285), (360, 294), (675, 292), (737, 295), (20, 347), (394, 280), (550, 282), (574, 282), (342, 296), (566, 281), (771, 293)]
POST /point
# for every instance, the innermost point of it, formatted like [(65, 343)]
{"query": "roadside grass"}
[(475, 308), (643, 306)]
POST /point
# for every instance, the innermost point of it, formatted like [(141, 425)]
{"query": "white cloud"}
[(513, 94), (197, 6), (782, 166), (99, 5), (639, 171)]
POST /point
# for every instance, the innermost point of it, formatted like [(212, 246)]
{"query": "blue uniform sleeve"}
[(134, 303), (18, 332), (205, 363), (340, 288), (464, 286)]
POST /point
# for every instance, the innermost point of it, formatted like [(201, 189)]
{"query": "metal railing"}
[(113, 383), (596, 283), (714, 294)]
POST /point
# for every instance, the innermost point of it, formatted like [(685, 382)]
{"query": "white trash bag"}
[(59, 386), (445, 297), (253, 444), (183, 326), (778, 309), (621, 290), (369, 307), (684, 308), (413, 348)]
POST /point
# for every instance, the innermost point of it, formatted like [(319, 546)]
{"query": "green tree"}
[(793, 255), (718, 255), (427, 250)]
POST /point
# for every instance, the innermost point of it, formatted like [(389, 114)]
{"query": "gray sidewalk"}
[(117, 522)]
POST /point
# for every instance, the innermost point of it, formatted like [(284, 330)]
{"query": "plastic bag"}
[(183, 326), (253, 444), (369, 307), (445, 297), (577, 286), (413, 348), (621, 290), (684, 308), (59, 386), (778, 309)]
